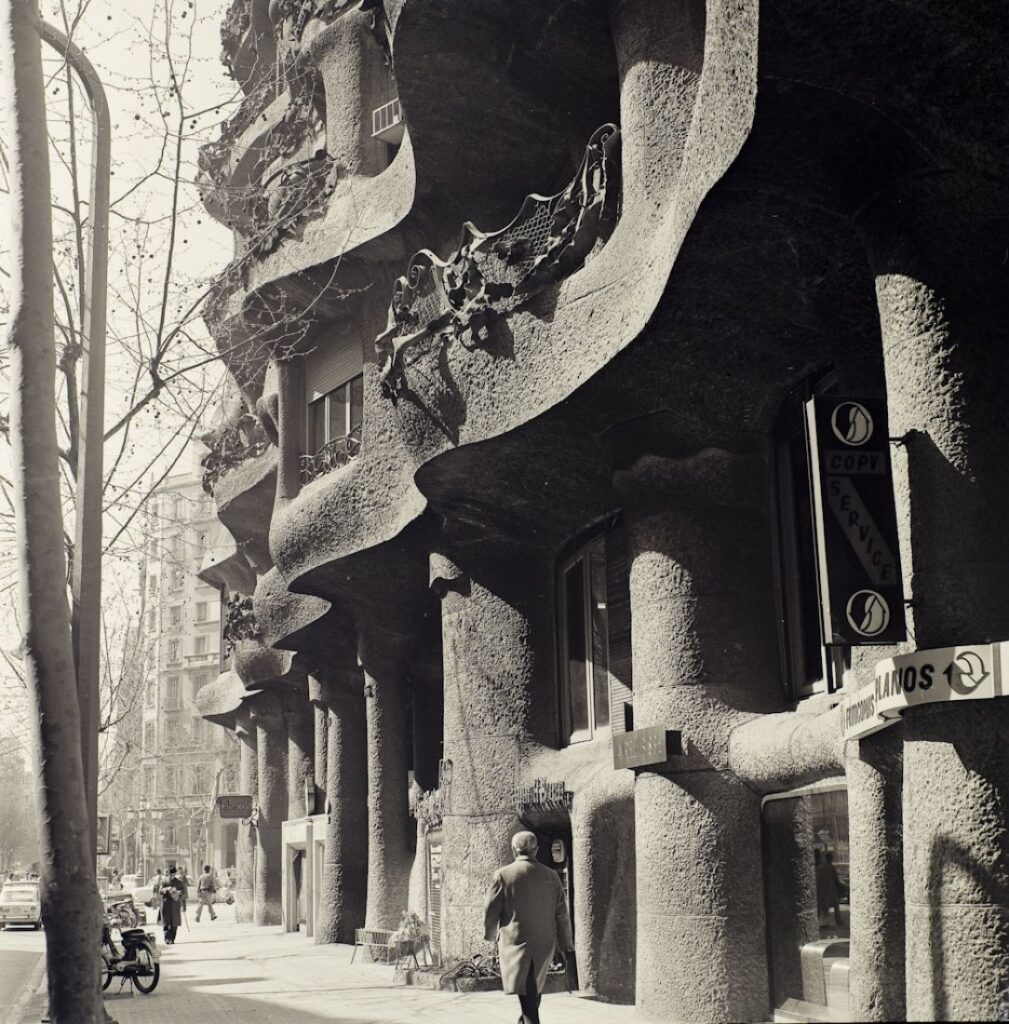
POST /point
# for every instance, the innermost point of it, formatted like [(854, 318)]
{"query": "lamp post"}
[(86, 583)]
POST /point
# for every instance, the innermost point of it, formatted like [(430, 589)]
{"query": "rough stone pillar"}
[(245, 845), (345, 870), (291, 426), (489, 664), (942, 287), (299, 717), (390, 830), (704, 647), (876, 878), (271, 749), (320, 759)]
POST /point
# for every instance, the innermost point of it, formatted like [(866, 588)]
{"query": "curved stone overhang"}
[(257, 665), (301, 623), (224, 564), (244, 499), (678, 140), (222, 700)]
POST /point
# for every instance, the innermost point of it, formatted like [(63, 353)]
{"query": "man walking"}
[(205, 889), (526, 911)]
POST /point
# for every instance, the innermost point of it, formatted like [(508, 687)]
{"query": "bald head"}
[(524, 844)]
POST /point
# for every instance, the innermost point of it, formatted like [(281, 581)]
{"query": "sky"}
[(160, 63)]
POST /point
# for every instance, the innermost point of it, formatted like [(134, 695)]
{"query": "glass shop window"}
[(809, 667), (807, 884), (336, 417), (593, 630)]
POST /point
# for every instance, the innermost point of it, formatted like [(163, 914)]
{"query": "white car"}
[(21, 903), (140, 890)]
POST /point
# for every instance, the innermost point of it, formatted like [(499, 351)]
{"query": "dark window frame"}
[(313, 445), (796, 562)]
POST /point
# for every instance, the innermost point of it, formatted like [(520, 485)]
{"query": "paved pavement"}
[(20, 952), (222, 972)]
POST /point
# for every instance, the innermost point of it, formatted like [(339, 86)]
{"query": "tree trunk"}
[(70, 906)]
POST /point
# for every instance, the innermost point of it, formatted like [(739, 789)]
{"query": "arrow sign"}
[(946, 674)]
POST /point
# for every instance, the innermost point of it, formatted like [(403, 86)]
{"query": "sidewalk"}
[(223, 972)]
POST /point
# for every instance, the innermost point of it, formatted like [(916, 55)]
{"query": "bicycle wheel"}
[(147, 982), (106, 972)]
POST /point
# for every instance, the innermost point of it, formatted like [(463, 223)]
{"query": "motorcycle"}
[(137, 960), (122, 909)]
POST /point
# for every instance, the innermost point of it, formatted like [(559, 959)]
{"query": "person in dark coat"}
[(527, 914), (171, 906)]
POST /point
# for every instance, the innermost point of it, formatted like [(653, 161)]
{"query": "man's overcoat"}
[(171, 908), (526, 910)]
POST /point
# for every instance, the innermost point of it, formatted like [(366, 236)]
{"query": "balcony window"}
[(175, 616), (334, 428), (199, 645), (172, 692), (149, 738), (173, 652), (201, 611)]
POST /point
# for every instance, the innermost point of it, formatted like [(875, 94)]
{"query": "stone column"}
[(488, 664), (320, 757), (705, 657), (245, 846), (291, 425), (298, 714), (345, 870), (271, 749), (875, 822), (390, 830), (942, 287)]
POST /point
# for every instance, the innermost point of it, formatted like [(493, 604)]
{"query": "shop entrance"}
[(807, 882)]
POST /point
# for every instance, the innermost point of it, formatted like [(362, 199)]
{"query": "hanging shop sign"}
[(973, 672), (861, 591), (233, 806), (642, 748), (104, 833)]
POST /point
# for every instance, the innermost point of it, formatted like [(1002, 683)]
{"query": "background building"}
[(184, 762)]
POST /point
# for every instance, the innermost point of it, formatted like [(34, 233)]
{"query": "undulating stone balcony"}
[(491, 274), (229, 449)]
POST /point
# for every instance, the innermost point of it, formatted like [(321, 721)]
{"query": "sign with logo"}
[(645, 747), (233, 806), (861, 591), (972, 672)]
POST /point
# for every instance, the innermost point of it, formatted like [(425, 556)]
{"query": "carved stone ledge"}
[(491, 274)]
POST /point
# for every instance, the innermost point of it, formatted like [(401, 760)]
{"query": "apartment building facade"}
[(527, 308)]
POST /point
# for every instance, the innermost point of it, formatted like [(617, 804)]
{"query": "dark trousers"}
[(170, 931), (530, 1002)]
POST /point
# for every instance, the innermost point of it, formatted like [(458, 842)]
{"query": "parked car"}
[(21, 903), (140, 890)]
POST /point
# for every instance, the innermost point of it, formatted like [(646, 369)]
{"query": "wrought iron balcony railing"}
[(332, 455), (491, 274), (241, 623), (230, 448)]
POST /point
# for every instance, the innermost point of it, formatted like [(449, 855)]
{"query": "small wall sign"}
[(233, 806), (643, 748)]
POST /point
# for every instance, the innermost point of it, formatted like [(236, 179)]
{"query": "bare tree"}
[(69, 901)]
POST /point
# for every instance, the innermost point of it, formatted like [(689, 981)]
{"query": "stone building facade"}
[(184, 762), (525, 304)]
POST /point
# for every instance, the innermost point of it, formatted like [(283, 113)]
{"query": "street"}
[(222, 971)]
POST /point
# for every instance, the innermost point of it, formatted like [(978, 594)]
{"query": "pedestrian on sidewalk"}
[(205, 888), (184, 879), (171, 906), (528, 915)]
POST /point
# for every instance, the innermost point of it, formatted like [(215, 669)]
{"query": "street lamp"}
[(86, 583)]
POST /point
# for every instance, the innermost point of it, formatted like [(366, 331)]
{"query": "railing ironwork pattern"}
[(491, 274), (332, 455), (240, 623)]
